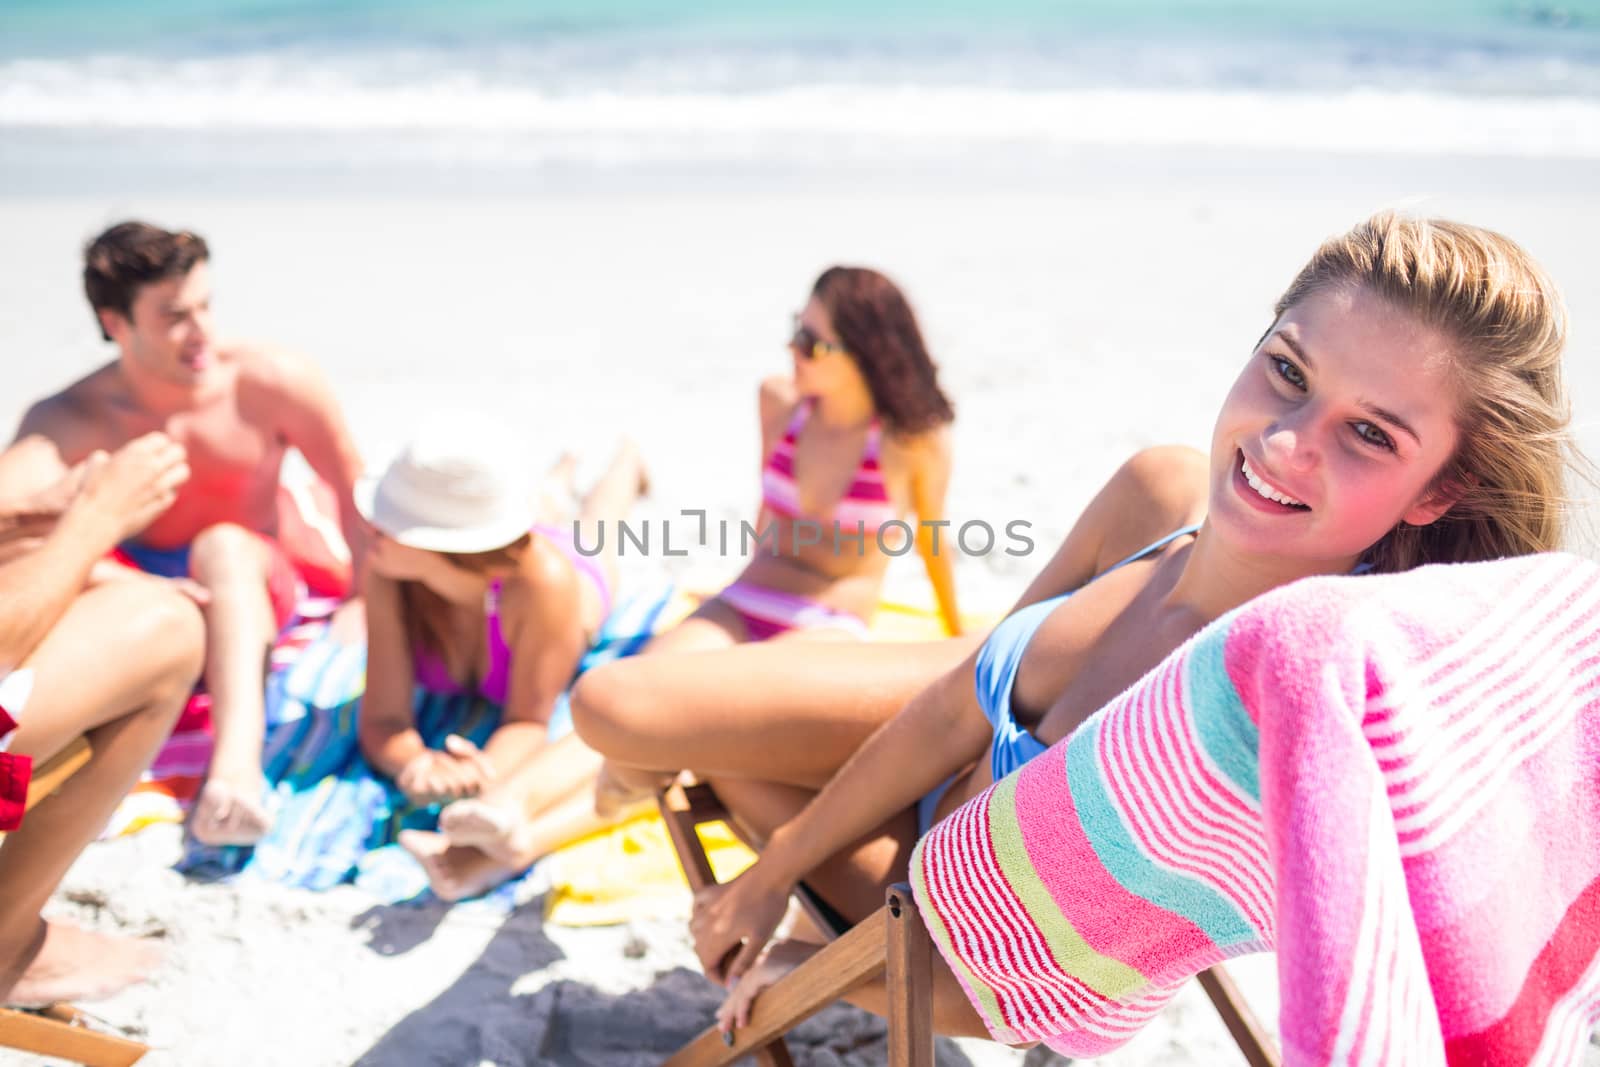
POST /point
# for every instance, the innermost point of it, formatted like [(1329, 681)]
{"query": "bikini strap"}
[(802, 412), (1154, 546), (498, 673), (874, 439), (491, 617)]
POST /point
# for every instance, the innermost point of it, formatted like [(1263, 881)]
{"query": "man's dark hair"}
[(131, 254)]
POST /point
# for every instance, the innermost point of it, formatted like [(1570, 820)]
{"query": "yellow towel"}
[(630, 872)]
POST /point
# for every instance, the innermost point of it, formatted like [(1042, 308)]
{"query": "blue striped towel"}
[(336, 820)]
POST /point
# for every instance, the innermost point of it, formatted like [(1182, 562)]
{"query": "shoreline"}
[(52, 163)]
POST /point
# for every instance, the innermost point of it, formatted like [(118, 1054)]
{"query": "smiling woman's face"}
[(1335, 431)]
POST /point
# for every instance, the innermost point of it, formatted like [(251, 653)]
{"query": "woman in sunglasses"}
[(853, 443)]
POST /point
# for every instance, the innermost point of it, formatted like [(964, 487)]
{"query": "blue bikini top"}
[(1000, 657)]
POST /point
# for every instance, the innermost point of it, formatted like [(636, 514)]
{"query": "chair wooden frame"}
[(61, 1030), (894, 943)]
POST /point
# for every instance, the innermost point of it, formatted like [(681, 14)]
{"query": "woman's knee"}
[(604, 704)]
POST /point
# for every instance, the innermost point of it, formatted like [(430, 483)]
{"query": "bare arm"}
[(118, 495), (930, 481), (943, 725), (33, 465), (37, 587), (385, 727), (946, 731), (776, 399), (546, 644), (28, 469), (1153, 493), (941, 730), (313, 423)]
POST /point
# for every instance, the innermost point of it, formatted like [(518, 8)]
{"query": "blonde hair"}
[(1508, 325)]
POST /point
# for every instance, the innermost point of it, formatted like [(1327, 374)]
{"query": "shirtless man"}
[(234, 409)]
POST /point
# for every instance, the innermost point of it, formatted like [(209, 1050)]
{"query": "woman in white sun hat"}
[(472, 590)]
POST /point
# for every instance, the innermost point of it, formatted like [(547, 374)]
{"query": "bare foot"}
[(629, 452), (482, 825), (229, 813), (564, 473), (71, 964), (616, 789), (454, 873)]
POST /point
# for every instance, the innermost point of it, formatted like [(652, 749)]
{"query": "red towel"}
[(14, 774)]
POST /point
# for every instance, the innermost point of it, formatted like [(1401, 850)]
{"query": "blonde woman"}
[(1405, 406)]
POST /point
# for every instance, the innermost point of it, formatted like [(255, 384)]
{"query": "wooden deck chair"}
[(894, 942), (61, 1030)]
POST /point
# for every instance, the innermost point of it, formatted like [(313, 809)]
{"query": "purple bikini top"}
[(433, 675)]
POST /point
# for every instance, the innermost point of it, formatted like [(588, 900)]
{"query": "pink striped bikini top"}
[(866, 501)]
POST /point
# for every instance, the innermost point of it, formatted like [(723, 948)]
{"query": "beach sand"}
[(1082, 306)]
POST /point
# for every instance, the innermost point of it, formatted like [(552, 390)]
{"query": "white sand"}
[(1081, 309)]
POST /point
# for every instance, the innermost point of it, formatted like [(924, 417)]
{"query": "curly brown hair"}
[(132, 254), (875, 323)]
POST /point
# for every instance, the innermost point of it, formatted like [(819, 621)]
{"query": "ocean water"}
[(618, 81)]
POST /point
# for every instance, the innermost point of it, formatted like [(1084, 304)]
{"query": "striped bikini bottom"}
[(767, 613)]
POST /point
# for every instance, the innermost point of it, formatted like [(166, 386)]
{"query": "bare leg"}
[(456, 871), (233, 564), (790, 713), (613, 495), (853, 882), (610, 499), (713, 626), (558, 489), (147, 645), (498, 822), (816, 633), (617, 787), (599, 514)]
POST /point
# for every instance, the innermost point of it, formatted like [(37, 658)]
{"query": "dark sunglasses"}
[(808, 344)]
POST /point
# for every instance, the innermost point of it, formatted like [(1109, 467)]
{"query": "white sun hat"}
[(460, 485)]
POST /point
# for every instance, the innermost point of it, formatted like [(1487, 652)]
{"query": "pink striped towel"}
[(1393, 781)]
